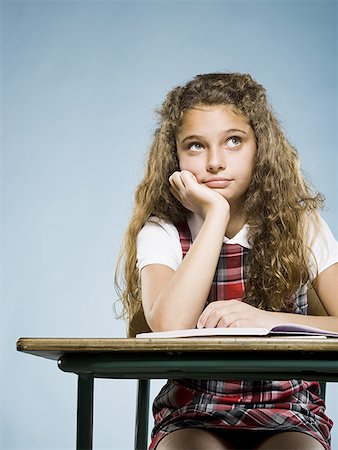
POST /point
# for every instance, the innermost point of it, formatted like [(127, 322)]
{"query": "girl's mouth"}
[(217, 182)]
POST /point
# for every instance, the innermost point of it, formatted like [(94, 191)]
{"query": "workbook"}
[(286, 329)]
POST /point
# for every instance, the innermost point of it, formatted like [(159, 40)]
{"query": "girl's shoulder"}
[(318, 229), (158, 242), (159, 227), (322, 243)]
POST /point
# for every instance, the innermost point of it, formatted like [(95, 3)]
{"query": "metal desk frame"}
[(276, 358)]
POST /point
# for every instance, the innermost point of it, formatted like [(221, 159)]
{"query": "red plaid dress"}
[(292, 405)]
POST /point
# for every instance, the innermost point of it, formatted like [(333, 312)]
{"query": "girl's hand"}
[(194, 196), (234, 313)]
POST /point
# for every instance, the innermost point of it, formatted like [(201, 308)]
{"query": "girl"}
[(225, 233)]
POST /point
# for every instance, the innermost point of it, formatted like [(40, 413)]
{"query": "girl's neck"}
[(233, 228), (236, 221)]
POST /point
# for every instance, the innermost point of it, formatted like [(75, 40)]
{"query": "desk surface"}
[(54, 348)]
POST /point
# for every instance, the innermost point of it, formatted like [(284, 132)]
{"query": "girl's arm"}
[(238, 314), (175, 299), (326, 287)]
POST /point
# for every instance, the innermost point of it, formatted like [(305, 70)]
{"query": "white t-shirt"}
[(158, 242)]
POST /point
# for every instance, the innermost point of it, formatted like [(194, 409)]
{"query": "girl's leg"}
[(289, 440), (194, 439)]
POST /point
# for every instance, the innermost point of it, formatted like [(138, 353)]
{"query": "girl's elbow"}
[(160, 322)]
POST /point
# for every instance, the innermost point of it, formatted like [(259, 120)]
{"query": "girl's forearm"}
[(182, 299), (329, 323)]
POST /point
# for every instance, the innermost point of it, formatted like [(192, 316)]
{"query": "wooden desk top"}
[(54, 348)]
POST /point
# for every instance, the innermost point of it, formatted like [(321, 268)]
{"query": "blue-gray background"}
[(79, 84)]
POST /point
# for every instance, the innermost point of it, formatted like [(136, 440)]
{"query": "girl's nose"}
[(216, 161)]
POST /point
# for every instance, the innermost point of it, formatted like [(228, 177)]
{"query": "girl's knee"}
[(193, 439), (290, 440)]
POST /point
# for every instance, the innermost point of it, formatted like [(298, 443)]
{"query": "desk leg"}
[(322, 390), (142, 414), (84, 437)]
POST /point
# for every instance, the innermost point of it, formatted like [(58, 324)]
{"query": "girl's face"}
[(218, 147)]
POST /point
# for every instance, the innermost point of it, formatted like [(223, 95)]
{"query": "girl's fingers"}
[(175, 180), (188, 179), (223, 313), (175, 194), (209, 320), (234, 313), (180, 185), (182, 179), (194, 196), (210, 316), (176, 187)]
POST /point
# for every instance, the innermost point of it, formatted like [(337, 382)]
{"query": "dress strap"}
[(185, 236)]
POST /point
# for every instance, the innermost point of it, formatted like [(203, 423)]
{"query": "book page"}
[(291, 328), (287, 329), (196, 332)]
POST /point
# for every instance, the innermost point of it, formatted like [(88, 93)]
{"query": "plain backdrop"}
[(80, 81)]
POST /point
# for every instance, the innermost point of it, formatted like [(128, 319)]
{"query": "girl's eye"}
[(195, 147), (234, 142)]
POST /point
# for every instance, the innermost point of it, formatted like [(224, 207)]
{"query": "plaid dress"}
[(292, 405)]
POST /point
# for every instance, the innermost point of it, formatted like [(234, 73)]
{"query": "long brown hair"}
[(278, 201)]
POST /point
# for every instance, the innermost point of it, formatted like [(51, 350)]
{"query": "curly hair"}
[(278, 201)]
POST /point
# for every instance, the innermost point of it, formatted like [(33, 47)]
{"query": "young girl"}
[(225, 233)]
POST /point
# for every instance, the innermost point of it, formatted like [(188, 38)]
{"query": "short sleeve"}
[(324, 248), (158, 242)]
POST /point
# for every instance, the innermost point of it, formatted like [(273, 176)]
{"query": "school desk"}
[(259, 358)]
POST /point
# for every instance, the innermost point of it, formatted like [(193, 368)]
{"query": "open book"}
[(286, 329)]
